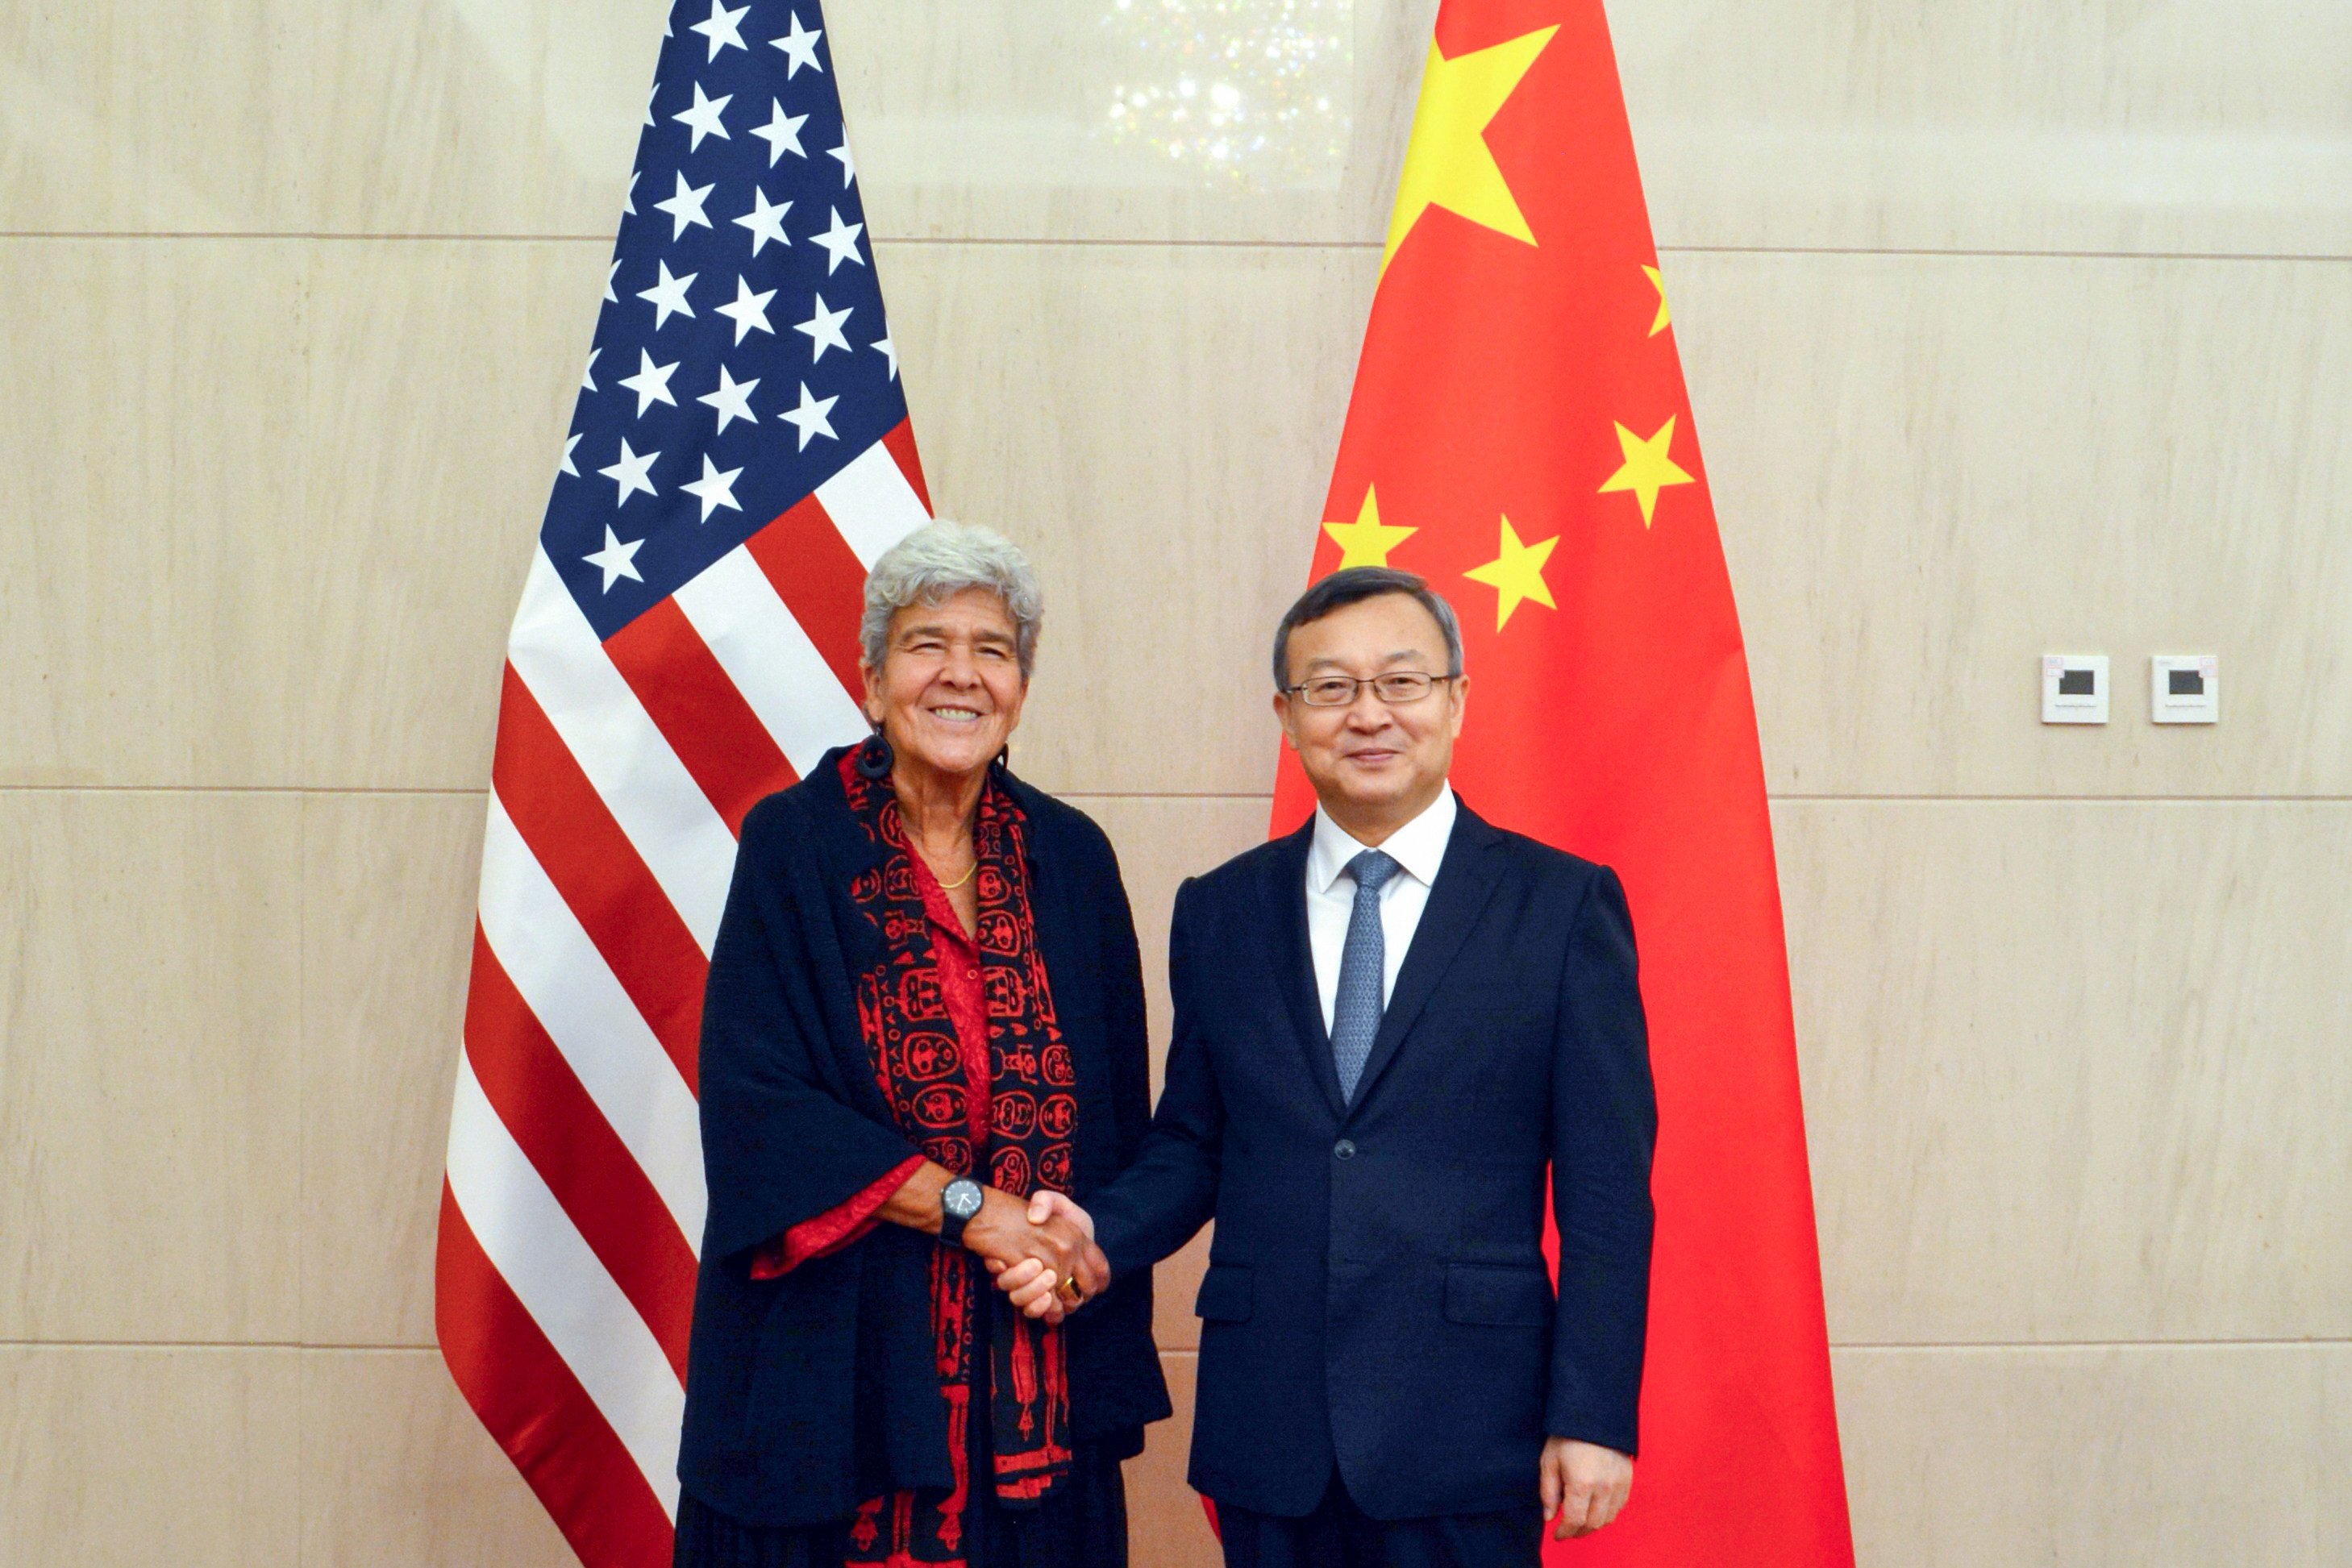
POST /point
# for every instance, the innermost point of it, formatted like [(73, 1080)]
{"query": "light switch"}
[(2074, 688), (2185, 688)]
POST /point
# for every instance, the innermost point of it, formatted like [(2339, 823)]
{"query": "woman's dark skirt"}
[(1085, 1521)]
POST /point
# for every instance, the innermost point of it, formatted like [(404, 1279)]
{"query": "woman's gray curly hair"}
[(936, 562)]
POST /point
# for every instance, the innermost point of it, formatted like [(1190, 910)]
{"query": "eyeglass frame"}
[(1358, 684)]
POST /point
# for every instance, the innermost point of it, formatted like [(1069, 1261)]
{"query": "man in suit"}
[(1391, 1026)]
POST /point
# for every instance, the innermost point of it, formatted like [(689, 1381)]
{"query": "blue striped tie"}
[(1363, 964)]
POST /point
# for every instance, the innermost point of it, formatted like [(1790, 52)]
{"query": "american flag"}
[(738, 458)]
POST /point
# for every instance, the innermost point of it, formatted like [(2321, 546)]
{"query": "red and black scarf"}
[(919, 1066)]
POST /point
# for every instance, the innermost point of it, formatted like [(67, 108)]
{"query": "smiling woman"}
[(948, 638), (926, 1005)]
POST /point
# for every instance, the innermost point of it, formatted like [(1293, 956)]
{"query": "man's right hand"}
[(1033, 1287), (1047, 1243)]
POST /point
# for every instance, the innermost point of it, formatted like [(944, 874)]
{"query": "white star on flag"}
[(611, 273), (651, 384), (631, 471), (748, 311), (731, 398), (629, 197), (615, 560), (684, 207), (782, 133), (766, 221), (714, 489), (668, 295), (823, 328), (800, 48), (703, 118), (723, 28), (888, 350), (812, 418), (588, 376), (565, 466), (840, 243), (848, 164)]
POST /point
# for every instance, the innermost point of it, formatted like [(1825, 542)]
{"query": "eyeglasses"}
[(1396, 687)]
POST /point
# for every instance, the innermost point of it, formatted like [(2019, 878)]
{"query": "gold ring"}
[(1068, 1291)]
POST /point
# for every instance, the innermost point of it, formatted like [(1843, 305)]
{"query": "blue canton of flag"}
[(741, 358)]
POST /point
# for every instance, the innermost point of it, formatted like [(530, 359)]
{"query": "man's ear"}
[(1282, 718)]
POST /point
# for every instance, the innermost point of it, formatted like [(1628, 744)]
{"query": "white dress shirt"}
[(1417, 848)]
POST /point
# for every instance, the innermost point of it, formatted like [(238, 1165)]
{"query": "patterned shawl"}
[(920, 1068)]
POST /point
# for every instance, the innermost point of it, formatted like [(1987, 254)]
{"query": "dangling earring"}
[(874, 759)]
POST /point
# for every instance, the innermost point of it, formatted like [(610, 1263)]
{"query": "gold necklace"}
[(944, 886)]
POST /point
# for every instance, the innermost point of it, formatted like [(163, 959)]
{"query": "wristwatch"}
[(958, 1201)]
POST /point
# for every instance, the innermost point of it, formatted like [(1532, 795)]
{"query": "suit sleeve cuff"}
[(1584, 1427)]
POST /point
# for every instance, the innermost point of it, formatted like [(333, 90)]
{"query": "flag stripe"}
[(737, 613), (901, 443), (872, 504), (534, 1246), (821, 582), (597, 868), (537, 1411), (563, 979), (584, 1162), (718, 739), (678, 833)]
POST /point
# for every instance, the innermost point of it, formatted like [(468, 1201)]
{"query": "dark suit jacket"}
[(808, 1394), (1376, 1294)]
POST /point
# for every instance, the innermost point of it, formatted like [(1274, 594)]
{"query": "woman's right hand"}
[(1003, 1236)]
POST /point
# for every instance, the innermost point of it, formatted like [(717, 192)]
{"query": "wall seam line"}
[(1175, 243)]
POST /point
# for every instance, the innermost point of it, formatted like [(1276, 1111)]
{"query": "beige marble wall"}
[(2011, 328)]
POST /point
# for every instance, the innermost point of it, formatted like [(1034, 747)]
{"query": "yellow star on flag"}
[(1447, 164), (1516, 574), (1647, 469), (1368, 540), (1659, 284)]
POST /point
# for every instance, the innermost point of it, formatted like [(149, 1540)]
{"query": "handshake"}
[(1042, 1253)]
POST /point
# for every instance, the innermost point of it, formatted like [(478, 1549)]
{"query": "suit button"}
[(1344, 1150)]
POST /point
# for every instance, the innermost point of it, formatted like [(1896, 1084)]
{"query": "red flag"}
[(1520, 435)]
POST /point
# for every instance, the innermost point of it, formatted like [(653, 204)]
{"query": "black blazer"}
[(808, 1394), (1376, 1294)]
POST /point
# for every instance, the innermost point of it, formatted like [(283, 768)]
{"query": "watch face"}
[(961, 1198)]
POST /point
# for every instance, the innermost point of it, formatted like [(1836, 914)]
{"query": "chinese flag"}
[(1520, 434)]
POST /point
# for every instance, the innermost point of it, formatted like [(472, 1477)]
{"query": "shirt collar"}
[(1419, 847)]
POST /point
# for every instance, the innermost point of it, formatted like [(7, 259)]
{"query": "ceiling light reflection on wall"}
[(1245, 94)]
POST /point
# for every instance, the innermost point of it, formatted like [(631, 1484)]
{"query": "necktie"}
[(1363, 964)]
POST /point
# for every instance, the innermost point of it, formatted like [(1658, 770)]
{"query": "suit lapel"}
[(1465, 881), (1292, 958)]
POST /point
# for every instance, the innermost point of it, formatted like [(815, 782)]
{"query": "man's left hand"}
[(1583, 1485)]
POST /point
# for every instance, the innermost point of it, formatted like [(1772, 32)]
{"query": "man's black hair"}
[(1353, 585)]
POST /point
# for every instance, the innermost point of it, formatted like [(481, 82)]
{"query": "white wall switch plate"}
[(2075, 688), (2185, 688)]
